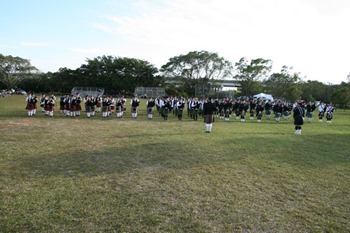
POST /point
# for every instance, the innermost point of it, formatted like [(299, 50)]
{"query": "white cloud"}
[(308, 35), (35, 44)]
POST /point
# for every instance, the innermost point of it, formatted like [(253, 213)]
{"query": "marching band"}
[(71, 106)]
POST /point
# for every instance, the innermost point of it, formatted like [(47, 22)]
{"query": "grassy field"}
[(121, 175)]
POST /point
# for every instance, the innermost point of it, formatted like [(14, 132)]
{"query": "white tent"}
[(263, 96)]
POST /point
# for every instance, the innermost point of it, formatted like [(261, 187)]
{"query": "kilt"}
[(298, 120), (277, 114), (309, 114), (150, 110), (268, 112), (329, 115), (112, 107), (133, 109), (104, 108), (88, 108), (50, 108), (30, 106), (165, 111), (208, 119)]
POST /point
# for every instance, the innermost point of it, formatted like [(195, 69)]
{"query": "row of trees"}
[(179, 76)]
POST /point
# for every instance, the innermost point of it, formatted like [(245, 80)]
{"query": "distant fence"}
[(150, 91), (83, 91)]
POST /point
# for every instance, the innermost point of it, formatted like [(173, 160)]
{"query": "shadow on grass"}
[(297, 151), (125, 159)]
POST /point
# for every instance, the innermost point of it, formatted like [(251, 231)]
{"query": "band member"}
[(189, 102), (236, 104), (62, 104), (35, 101), (46, 106), (67, 101), (298, 115), (195, 109), (243, 108), (165, 107), (259, 110), (89, 105), (221, 109), (252, 108), (180, 105), (51, 105), (42, 101), (78, 107), (321, 110), (268, 107), (310, 108), (105, 105), (216, 102), (209, 109), (98, 103), (150, 105), (174, 105), (30, 104), (123, 101), (135, 102), (227, 104), (277, 109), (119, 107), (286, 110), (329, 113), (73, 105)]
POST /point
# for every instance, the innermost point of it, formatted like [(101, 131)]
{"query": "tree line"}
[(179, 76)]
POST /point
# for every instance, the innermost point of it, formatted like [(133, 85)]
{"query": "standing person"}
[(180, 105), (135, 102), (150, 105), (298, 115), (35, 101), (329, 113), (277, 109), (105, 106), (42, 101), (208, 110), (321, 110), (259, 110), (195, 109), (310, 107), (119, 107), (51, 105), (252, 108), (89, 105), (30, 104), (227, 109), (268, 107), (243, 107), (78, 107)]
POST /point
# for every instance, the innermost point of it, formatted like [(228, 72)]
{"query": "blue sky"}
[(312, 36)]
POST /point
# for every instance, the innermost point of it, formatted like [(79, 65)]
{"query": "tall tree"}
[(14, 69), (279, 84), (117, 74), (342, 97), (196, 67), (250, 74), (314, 91)]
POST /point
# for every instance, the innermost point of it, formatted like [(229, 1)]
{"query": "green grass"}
[(122, 175)]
